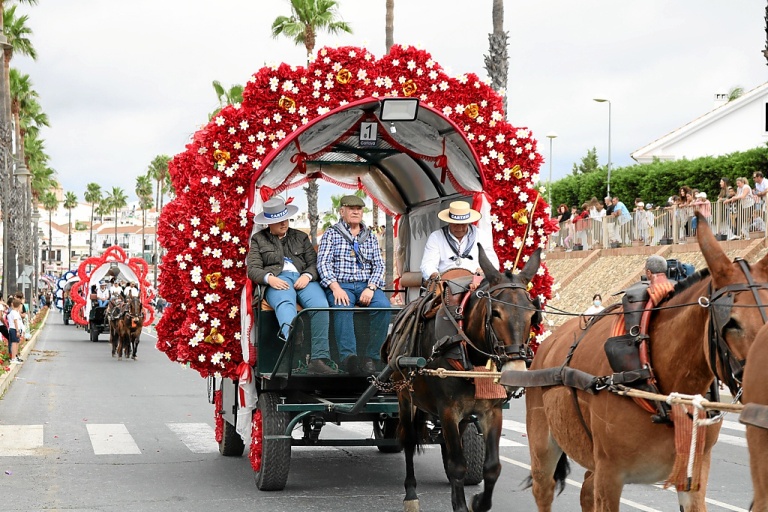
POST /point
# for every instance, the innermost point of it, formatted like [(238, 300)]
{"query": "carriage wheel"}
[(474, 454), (230, 442), (270, 455), (386, 429), (94, 332)]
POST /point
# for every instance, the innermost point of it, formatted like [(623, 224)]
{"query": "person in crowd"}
[(743, 202), (116, 291), (103, 294), (622, 216), (15, 329), (650, 221), (702, 205), (283, 259), (640, 220), (595, 308), (3, 313), (609, 206), (596, 210), (455, 245), (761, 188), (564, 215), (352, 271), (132, 290)]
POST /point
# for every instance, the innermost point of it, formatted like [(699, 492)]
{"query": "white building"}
[(737, 125)]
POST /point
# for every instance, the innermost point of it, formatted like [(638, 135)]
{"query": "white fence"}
[(663, 226)]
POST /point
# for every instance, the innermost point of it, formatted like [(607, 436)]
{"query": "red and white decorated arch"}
[(253, 150), (95, 268)]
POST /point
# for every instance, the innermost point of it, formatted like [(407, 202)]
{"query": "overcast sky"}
[(125, 81)]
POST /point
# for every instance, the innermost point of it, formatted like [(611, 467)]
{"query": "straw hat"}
[(275, 210), (459, 212)]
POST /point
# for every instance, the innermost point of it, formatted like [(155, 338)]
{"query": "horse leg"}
[(135, 345), (490, 423), (607, 488), (455, 463), (546, 455), (695, 501), (587, 496), (406, 431), (757, 440)]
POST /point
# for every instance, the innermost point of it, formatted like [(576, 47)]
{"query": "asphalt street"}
[(81, 431)]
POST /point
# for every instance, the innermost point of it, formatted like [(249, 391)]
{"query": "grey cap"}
[(352, 200), (656, 264)]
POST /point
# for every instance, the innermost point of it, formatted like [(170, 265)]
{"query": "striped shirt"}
[(336, 260)]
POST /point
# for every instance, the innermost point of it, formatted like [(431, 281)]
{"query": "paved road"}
[(80, 431)]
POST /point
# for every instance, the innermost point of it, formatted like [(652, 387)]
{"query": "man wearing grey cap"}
[(659, 284), (352, 271)]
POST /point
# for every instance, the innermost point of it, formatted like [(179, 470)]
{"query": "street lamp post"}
[(550, 136), (35, 256), (24, 176), (603, 100)]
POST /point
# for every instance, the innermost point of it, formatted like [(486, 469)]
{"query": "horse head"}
[(738, 304), (135, 312), (501, 313)]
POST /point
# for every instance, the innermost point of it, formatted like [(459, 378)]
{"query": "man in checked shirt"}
[(352, 271)]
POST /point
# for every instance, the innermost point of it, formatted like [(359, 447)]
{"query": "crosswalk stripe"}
[(198, 437), (733, 440), (20, 440), (112, 439), (733, 425)]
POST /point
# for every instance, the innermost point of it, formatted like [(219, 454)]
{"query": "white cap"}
[(701, 195), (640, 204)]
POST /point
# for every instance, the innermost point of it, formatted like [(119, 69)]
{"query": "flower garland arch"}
[(113, 254), (206, 228)]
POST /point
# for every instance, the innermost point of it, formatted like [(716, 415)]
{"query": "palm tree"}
[(306, 19), (50, 204), (16, 31), (92, 195), (158, 170), (144, 192), (497, 60), (116, 199), (226, 97), (70, 201)]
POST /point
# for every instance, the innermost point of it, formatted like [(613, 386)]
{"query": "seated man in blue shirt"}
[(352, 270)]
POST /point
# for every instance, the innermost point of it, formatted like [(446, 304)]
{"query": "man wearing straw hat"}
[(283, 259), (455, 245)]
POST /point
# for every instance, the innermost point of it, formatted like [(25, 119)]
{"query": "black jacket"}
[(267, 253)]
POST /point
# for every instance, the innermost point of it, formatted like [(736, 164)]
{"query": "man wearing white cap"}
[(455, 245), (283, 259)]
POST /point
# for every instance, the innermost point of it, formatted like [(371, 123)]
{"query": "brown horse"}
[(128, 329), (497, 322), (610, 435), (756, 397)]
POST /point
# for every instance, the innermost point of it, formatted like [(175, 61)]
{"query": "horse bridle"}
[(720, 304), (128, 313), (502, 353)]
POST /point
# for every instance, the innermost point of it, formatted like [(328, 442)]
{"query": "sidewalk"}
[(7, 377)]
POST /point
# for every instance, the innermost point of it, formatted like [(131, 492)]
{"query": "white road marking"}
[(20, 440), (734, 440), (734, 425), (198, 437), (112, 439)]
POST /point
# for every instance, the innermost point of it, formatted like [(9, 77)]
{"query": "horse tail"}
[(421, 431), (562, 470)]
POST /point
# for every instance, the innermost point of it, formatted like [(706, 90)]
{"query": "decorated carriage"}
[(113, 264), (399, 128)]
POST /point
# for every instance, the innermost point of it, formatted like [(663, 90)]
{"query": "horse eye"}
[(732, 325), (495, 314)]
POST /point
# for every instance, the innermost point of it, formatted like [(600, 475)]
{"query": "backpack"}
[(677, 270)]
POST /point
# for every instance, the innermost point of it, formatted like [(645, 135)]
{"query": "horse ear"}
[(491, 272), (532, 266), (718, 262)]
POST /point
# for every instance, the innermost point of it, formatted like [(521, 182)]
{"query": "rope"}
[(677, 398)]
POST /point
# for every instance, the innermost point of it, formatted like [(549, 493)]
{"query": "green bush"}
[(657, 181)]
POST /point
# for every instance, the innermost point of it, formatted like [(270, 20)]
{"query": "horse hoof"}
[(411, 506)]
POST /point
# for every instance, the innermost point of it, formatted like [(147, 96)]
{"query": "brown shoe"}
[(320, 367), (368, 367)]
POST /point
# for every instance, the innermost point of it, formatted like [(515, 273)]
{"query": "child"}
[(15, 330)]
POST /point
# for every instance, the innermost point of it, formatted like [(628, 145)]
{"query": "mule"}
[(756, 397), (497, 321), (128, 328), (610, 435)]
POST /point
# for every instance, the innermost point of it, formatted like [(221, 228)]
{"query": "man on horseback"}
[(455, 245), (352, 271)]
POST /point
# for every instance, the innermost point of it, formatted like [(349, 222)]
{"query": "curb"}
[(7, 378)]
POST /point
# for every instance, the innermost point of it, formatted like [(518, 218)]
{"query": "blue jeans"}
[(312, 296), (103, 303), (344, 324)]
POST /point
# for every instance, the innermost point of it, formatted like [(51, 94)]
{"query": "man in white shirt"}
[(102, 294), (132, 290), (761, 188), (115, 290), (456, 245)]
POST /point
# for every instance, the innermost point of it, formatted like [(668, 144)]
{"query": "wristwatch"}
[(371, 287)]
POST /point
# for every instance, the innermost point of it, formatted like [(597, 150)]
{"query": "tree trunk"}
[(69, 241), (389, 25), (497, 60), (50, 236), (90, 238), (313, 190), (143, 231)]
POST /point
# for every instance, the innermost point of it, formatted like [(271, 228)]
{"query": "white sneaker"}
[(732, 237), (14, 361)]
